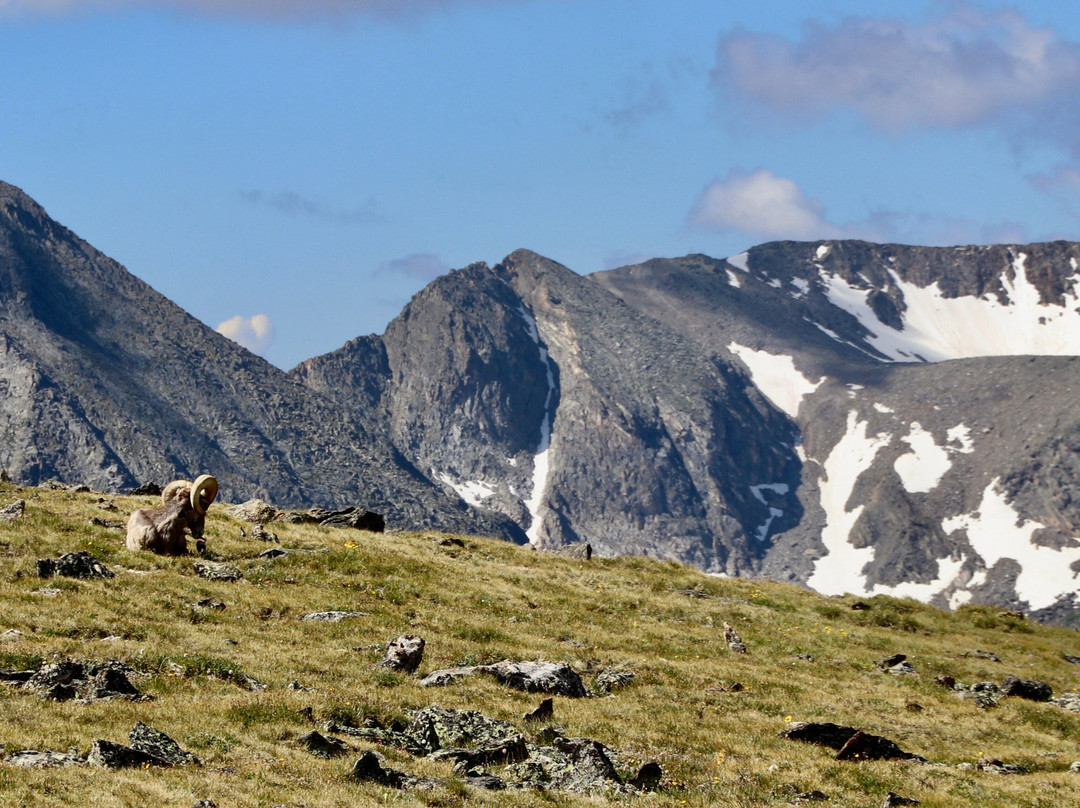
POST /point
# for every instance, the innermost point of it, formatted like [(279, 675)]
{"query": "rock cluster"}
[(556, 678), (73, 565), (69, 679), (474, 742)]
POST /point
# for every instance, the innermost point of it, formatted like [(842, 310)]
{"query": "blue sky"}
[(292, 171)]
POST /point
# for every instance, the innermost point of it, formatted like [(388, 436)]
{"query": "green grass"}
[(718, 744)]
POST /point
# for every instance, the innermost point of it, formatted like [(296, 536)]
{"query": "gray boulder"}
[(404, 653)]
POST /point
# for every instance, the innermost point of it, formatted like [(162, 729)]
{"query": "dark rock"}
[(610, 679), (583, 767), (543, 712), (117, 756), (804, 657), (890, 661), (273, 552), (692, 593), (146, 490), (648, 777), (450, 541), (320, 746), (352, 517), (111, 524), (529, 773), (158, 745), (733, 640), (73, 565), (15, 677), (980, 654), (368, 768), (111, 681), (948, 682), (404, 653), (210, 603), (860, 606), (809, 796), (892, 799), (469, 759), (218, 571), (1075, 660), (1026, 689), (851, 743), (488, 782)]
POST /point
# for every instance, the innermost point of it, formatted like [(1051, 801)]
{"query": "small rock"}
[(890, 661), (352, 517), (893, 799), (146, 490), (260, 533), (450, 541), (368, 768), (1068, 701), (610, 679), (404, 653), (254, 510), (1075, 767), (1000, 767), (860, 606), (544, 711), (978, 653), (913, 707), (9, 513), (273, 552), (332, 617), (804, 657), (810, 796), (217, 571), (210, 603), (734, 641), (78, 488), (320, 746), (692, 593)]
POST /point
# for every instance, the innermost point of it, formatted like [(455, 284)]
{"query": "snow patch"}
[(883, 409), (473, 492), (542, 459), (948, 569), (774, 513), (922, 468), (775, 375), (841, 568), (739, 261), (996, 531), (733, 279), (802, 285), (822, 251), (937, 328), (961, 434)]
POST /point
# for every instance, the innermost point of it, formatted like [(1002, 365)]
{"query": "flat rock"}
[(332, 617), (555, 678), (254, 510), (850, 743), (218, 571), (612, 679), (44, 759)]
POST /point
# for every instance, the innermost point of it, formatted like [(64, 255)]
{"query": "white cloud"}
[(254, 333), (964, 68), (759, 203)]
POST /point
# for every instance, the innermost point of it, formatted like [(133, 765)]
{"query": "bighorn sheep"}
[(164, 530)]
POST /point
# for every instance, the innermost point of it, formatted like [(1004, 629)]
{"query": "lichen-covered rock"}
[(611, 679), (331, 617), (556, 678), (405, 653), (9, 513), (218, 571), (158, 745), (44, 759), (73, 565)]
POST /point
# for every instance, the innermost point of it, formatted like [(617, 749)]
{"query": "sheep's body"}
[(165, 530)]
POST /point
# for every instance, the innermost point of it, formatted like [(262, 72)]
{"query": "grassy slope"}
[(485, 602)]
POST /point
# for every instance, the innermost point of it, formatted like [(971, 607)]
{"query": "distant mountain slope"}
[(104, 381), (849, 416)]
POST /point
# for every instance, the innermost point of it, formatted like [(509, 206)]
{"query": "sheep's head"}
[(194, 498)]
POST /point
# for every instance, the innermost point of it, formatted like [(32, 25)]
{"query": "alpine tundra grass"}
[(709, 717)]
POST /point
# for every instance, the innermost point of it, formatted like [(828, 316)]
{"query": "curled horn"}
[(203, 484), (172, 488)]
